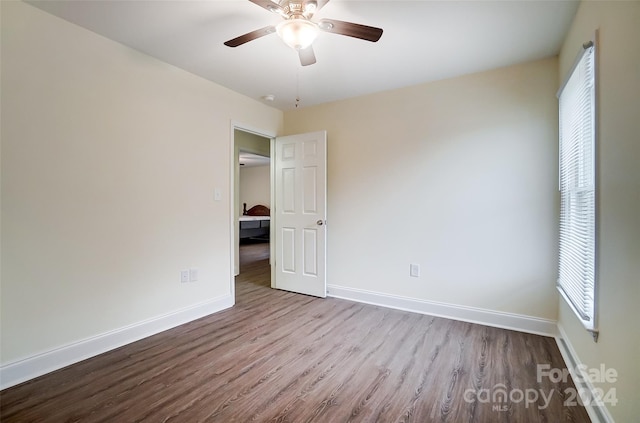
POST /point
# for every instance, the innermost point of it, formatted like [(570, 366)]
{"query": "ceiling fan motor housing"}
[(299, 8)]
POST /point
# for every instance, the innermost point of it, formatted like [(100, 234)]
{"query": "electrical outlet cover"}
[(184, 276), (193, 275), (414, 270)]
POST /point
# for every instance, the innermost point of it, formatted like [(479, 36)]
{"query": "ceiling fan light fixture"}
[(297, 33)]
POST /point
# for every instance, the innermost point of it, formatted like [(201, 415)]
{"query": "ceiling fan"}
[(298, 31)]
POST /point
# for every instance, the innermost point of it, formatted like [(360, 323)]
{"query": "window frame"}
[(577, 282)]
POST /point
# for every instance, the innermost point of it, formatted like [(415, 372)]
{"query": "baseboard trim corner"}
[(28, 368), (598, 414), (480, 316)]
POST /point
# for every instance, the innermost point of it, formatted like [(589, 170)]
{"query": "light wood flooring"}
[(282, 357)]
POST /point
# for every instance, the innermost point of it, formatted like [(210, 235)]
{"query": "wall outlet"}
[(184, 276), (414, 270), (193, 274)]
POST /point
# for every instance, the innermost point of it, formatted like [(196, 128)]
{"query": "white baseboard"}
[(498, 319), (598, 414), (20, 371)]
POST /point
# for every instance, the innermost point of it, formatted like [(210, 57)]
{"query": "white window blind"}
[(576, 280)]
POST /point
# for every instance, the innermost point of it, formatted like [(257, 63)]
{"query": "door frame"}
[(234, 213)]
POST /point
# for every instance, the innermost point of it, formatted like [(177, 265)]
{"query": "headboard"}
[(258, 210)]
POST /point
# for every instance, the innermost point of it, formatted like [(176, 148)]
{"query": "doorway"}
[(296, 210), (252, 197)]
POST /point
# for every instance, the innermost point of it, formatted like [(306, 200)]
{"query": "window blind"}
[(576, 280)]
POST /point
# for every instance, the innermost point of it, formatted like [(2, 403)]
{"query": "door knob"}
[(320, 222)]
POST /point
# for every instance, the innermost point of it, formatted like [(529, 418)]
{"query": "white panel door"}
[(300, 213)]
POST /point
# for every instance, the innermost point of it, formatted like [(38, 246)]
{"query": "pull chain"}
[(297, 88)]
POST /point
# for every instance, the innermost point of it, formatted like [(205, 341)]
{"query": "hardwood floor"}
[(283, 357)]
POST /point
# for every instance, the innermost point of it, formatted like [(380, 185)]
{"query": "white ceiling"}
[(422, 41)]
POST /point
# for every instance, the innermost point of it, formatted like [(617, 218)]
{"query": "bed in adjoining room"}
[(255, 223)]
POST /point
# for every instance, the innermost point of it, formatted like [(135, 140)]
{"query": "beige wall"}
[(618, 206), (255, 186), (458, 176), (109, 163)]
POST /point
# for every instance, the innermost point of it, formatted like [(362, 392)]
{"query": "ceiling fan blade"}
[(350, 29), (270, 6), (250, 36), (307, 56)]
